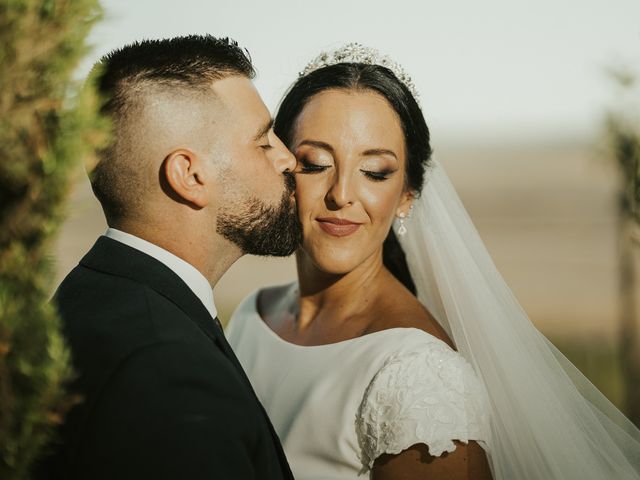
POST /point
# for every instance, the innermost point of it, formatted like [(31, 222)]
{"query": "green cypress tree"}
[(623, 128), (47, 125)]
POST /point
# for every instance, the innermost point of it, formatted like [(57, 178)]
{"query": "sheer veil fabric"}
[(548, 421)]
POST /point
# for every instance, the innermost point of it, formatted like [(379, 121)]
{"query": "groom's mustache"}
[(289, 182)]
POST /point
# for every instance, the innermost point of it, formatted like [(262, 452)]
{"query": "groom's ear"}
[(183, 176)]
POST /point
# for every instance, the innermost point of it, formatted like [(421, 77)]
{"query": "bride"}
[(400, 351)]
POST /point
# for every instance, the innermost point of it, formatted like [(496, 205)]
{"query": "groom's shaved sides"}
[(157, 92)]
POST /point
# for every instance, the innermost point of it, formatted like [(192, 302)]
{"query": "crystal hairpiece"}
[(357, 53)]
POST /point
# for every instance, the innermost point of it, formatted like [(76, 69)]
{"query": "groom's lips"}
[(337, 227)]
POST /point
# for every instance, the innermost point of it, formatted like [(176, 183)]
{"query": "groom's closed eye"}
[(266, 142), (262, 132)]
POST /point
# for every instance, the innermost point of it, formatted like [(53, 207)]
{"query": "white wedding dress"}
[(338, 407)]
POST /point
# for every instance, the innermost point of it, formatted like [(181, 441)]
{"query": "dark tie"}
[(226, 349), (218, 324)]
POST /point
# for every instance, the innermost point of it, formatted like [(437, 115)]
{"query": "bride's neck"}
[(338, 296)]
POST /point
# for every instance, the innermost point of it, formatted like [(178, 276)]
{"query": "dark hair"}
[(182, 64), (358, 76), (192, 61)]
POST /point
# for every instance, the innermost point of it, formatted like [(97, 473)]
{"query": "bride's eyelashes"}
[(378, 176), (307, 167)]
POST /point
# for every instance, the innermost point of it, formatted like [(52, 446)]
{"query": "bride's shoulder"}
[(273, 295), (423, 393), (403, 310), (263, 299), (272, 300), (259, 301)]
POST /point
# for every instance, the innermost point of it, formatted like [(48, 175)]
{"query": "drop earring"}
[(402, 230)]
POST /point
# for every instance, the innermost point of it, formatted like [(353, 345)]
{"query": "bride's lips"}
[(337, 227)]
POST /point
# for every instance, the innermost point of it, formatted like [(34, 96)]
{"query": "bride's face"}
[(350, 177)]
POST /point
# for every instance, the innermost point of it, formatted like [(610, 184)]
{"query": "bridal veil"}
[(548, 420)]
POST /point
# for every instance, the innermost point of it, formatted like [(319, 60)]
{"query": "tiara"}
[(357, 53)]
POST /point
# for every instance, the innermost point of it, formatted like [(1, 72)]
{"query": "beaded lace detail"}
[(429, 396)]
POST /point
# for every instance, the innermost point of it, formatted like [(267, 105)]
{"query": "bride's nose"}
[(341, 192)]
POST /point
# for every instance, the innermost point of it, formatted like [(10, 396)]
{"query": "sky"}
[(491, 69)]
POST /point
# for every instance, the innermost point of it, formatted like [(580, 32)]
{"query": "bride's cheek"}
[(310, 193), (303, 191), (378, 202)]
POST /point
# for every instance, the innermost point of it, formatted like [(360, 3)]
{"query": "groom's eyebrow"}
[(264, 130)]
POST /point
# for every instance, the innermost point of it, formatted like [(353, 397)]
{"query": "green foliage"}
[(623, 128), (47, 125)]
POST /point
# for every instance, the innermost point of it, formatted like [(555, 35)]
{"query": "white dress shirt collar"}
[(187, 272)]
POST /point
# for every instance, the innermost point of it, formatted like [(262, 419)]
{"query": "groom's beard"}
[(260, 229)]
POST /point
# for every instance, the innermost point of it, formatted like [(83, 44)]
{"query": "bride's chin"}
[(329, 263)]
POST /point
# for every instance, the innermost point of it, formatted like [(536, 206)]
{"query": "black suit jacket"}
[(164, 395)]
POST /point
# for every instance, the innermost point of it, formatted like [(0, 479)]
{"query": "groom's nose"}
[(284, 160)]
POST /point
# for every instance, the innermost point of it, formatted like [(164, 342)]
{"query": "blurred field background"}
[(515, 94), (547, 214)]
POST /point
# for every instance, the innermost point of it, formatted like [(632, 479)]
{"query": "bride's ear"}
[(406, 201)]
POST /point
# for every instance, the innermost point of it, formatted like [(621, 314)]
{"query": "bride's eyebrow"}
[(317, 144), (379, 151)]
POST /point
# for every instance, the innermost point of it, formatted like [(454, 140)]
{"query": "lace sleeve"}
[(430, 396)]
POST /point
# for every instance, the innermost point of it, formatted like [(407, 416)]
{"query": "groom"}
[(193, 179)]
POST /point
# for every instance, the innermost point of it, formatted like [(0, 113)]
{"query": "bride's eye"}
[(377, 176), (307, 167)]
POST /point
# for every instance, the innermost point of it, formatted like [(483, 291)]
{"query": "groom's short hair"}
[(181, 64)]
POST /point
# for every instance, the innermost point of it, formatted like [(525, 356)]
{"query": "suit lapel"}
[(115, 258)]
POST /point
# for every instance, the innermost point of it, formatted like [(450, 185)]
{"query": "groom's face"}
[(257, 209)]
